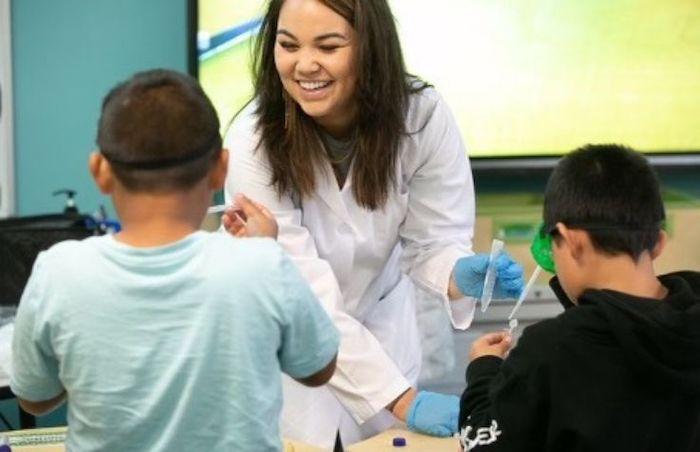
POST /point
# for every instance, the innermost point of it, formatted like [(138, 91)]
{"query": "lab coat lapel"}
[(337, 241), (329, 193)]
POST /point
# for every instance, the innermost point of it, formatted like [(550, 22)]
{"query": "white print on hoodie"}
[(484, 436)]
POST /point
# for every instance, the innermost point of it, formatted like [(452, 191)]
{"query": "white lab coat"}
[(358, 263)]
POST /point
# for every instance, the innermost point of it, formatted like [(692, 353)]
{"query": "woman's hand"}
[(491, 344), (249, 219), (427, 412), (469, 273)]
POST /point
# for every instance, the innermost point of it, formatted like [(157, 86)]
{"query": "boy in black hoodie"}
[(619, 370)]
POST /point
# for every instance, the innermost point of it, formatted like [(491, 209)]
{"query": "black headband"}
[(167, 162)]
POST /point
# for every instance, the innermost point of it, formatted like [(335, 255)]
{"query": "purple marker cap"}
[(399, 442)]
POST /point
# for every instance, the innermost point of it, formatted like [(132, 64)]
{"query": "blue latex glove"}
[(433, 414), (469, 274)]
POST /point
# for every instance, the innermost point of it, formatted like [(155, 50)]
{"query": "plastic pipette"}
[(512, 325), (218, 208), (514, 322), (490, 279), (237, 212)]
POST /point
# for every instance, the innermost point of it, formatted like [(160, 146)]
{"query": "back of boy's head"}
[(610, 191), (159, 131)]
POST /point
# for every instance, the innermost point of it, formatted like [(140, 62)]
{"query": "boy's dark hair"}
[(159, 131), (610, 191)]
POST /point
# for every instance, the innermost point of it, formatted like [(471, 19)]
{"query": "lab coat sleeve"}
[(439, 223), (366, 379)]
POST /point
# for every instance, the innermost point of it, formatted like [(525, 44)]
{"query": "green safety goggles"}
[(541, 248)]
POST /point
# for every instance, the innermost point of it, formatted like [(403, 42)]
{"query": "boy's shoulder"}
[(564, 323), (540, 338), (71, 251), (547, 336), (254, 247), (254, 250), (550, 341), (246, 254)]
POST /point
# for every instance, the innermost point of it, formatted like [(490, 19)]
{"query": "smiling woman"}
[(364, 168), (331, 46), (315, 57)]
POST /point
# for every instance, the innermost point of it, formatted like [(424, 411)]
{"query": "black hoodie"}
[(615, 373)]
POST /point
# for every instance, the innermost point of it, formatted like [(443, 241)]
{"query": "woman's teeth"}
[(311, 86)]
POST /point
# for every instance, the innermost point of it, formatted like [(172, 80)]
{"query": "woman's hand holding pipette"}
[(249, 219), (491, 344), (469, 273)]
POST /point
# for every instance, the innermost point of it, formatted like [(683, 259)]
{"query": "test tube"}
[(490, 279)]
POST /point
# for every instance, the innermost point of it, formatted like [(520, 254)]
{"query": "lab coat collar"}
[(328, 191)]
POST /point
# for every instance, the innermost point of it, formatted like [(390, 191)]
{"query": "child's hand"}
[(491, 344), (249, 219)]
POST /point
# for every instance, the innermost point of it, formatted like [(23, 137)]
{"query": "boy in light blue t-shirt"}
[(163, 337)]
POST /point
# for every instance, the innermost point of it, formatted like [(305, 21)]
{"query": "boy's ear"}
[(575, 240), (660, 244), (217, 174), (101, 172)]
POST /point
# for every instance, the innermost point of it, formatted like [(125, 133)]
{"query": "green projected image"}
[(522, 78), (226, 32)]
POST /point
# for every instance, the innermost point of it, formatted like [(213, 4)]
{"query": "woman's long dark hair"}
[(289, 136)]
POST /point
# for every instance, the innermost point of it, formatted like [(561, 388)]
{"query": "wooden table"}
[(415, 442), (51, 440)]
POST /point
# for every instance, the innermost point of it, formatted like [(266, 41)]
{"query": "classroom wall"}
[(67, 54)]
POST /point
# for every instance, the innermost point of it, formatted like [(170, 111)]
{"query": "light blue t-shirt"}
[(178, 347)]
